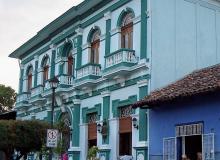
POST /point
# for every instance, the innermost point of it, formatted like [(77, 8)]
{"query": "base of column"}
[(141, 153), (104, 154), (73, 155)]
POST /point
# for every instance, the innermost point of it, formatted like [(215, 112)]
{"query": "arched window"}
[(29, 78), (45, 66), (95, 43), (127, 31)]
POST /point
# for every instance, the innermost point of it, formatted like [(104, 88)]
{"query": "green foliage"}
[(7, 98), (92, 153), (63, 130), (22, 136)]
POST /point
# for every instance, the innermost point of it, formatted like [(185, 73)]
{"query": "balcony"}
[(36, 94), (119, 62), (66, 80), (22, 100), (86, 74), (89, 71)]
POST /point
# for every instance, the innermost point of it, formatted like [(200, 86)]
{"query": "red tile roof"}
[(198, 82)]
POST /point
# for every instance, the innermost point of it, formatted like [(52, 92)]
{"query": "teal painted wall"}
[(52, 72), (35, 73), (105, 114), (75, 125), (108, 37), (21, 80), (143, 119), (79, 51), (143, 29)]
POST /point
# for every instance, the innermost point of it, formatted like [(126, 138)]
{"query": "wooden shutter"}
[(125, 125), (70, 65), (92, 131), (45, 76), (29, 82), (94, 57), (127, 36)]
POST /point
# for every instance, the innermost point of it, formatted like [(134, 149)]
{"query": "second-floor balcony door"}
[(70, 69), (29, 82), (94, 57), (45, 74), (127, 36)]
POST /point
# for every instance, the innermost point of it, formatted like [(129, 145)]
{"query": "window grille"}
[(125, 111), (92, 118)]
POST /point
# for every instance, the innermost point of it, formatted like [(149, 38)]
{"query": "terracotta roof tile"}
[(198, 82)]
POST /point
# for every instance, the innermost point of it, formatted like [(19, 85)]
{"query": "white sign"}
[(52, 136)]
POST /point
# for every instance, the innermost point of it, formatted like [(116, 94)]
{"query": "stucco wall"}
[(185, 37), (164, 118)]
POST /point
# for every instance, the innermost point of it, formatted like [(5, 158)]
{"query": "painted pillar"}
[(105, 114), (142, 151), (79, 32), (143, 29), (142, 115), (74, 152), (52, 72), (21, 78), (108, 35), (35, 70)]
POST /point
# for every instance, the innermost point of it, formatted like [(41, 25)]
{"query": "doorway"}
[(193, 145)]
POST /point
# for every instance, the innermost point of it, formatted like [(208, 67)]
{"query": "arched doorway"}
[(65, 122)]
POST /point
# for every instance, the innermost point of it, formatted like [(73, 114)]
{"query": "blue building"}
[(184, 117)]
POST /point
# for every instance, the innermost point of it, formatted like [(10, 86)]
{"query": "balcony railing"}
[(119, 56), (36, 91), (24, 97), (88, 70), (66, 80)]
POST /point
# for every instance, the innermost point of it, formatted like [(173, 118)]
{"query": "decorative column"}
[(21, 78), (143, 29), (52, 71), (142, 148), (74, 151), (107, 17), (104, 152), (79, 32), (35, 70)]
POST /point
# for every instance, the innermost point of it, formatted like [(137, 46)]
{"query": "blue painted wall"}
[(164, 118), (185, 37)]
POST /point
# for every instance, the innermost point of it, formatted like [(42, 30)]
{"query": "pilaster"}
[(107, 17), (52, 72), (75, 123), (79, 32), (143, 119), (36, 58), (21, 78), (105, 114), (143, 36)]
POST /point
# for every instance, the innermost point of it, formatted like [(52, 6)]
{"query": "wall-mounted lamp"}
[(103, 129), (135, 123), (99, 128)]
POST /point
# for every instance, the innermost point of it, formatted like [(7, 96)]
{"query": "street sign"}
[(52, 136)]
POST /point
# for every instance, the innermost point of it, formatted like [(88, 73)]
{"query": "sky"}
[(19, 21)]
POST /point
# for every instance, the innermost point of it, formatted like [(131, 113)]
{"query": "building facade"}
[(189, 110), (107, 55), (98, 52)]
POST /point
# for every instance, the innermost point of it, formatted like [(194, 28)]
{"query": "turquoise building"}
[(97, 50), (107, 55)]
